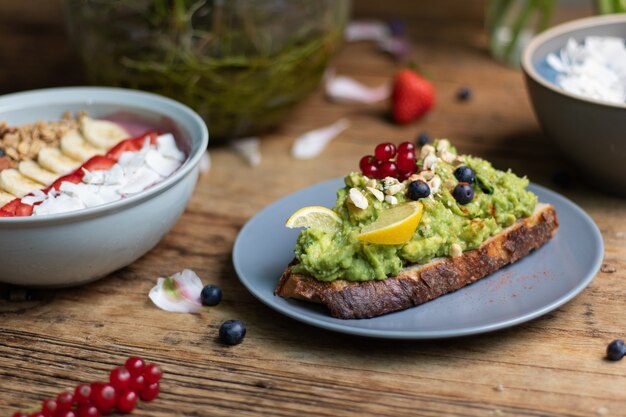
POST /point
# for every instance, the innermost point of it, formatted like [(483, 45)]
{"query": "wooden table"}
[(551, 366)]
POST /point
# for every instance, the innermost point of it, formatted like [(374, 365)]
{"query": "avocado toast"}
[(393, 242)]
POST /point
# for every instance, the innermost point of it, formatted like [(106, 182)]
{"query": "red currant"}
[(135, 365), (152, 373), (49, 407), (404, 175), (87, 410), (406, 147), (120, 379), (103, 397), (64, 401), (385, 151), (126, 402), (137, 383), (406, 161), (82, 393), (66, 413), (372, 170), (150, 392), (366, 161), (388, 169)]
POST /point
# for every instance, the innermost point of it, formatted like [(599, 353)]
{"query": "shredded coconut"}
[(595, 68)]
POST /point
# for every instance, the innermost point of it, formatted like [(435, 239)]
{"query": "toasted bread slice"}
[(418, 284)]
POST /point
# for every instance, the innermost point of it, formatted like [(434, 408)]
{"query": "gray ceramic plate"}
[(535, 285)]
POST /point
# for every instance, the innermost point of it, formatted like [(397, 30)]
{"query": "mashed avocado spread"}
[(500, 198)]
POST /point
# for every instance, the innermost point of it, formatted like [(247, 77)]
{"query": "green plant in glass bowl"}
[(241, 64)]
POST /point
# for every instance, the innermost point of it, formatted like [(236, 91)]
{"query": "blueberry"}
[(616, 350), (464, 94), (211, 295), (418, 189), (423, 139), (463, 193), (465, 174), (2, 153), (232, 332)]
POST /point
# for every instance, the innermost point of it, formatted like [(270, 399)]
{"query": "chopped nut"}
[(434, 184), (443, 145), (608, 269), (394, 189), (456, 250), (427, 150), (358, 199), (376, 193), (429, 162), (427, 175), (391, 200), (371, 183), (389, 181), (447, 156)]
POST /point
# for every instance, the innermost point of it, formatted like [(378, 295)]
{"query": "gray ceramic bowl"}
[(77, 247), (590, 132)]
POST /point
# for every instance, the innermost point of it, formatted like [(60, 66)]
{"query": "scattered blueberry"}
[(465, 174), (616, 350), (418, 189), (232, 332), (463, 193), (2, 153), (464, 94), (211, 295), (423, 139)]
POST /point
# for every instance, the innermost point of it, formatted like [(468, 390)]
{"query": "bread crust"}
[(418, 284)]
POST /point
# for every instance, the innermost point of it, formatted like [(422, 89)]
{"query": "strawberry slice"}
[(11, 206), (131, 145), (75, 177), (98, 163), (24, 210), (412, 96)]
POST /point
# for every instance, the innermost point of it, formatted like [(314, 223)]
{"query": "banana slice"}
[(53, 160), (102, 133), (5, 198), (15, 183), (34, 171), (74, 146)]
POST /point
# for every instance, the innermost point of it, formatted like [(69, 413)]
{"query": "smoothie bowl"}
[(102, 193)]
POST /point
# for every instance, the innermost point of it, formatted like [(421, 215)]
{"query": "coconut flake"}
[(166, 145), (248, 149), (595, 68), (343, 89), (36, 196), (179, 293), (312, 143)]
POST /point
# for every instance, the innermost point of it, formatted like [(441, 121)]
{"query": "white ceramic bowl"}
[(592, 133), (76, 247)]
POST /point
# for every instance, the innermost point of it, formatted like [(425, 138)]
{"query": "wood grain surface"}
[(551, 366)]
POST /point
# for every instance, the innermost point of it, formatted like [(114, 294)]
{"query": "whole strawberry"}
[(412, 96)]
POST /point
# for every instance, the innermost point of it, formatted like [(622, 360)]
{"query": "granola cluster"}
[(25, 142)]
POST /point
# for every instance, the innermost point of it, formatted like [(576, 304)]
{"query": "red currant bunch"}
[(126, 385), (388, 161)]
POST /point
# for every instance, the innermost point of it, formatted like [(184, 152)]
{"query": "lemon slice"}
[(394, 226), (314, 216)]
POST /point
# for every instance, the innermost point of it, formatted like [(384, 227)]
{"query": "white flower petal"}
[(179, 293), (205, 163), (248, 149), (313, 142), (346, 89), (366, 30)]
